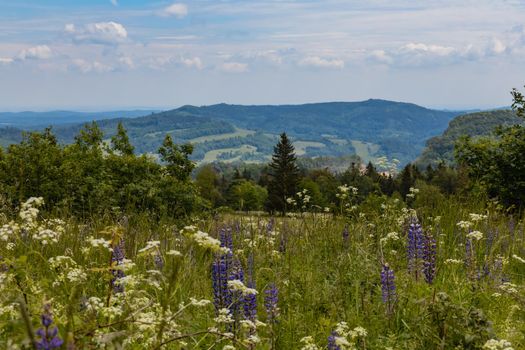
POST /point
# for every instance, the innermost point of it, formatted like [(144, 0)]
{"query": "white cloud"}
[(87, 67), (319, 62), (6, 60), (194, 62), (98, 33), (69, 28), (177, 9), (126, 62), (36, 52), (234, 67), (381, 56), (114, 2)]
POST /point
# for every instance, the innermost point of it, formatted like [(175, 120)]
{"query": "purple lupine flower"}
[(429, 258), (492, 234), (226, 238), (220, 282), (388, 288), (332, 345), (415, 248), (470, 259), (270, 225), (346, 235), (271, 300), (282, 244), (48, 334), (159, 261), (117, 259), (250, 300)]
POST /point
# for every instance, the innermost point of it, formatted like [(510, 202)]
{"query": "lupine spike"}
[(48, 334), (117, 259), (388, 288), (332, 344), (271, 300), (250, 300), (346, 235), (429, 258), (415, 248)]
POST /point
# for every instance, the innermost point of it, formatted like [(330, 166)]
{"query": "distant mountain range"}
[(224, 132), (441, 148), (39, 119)]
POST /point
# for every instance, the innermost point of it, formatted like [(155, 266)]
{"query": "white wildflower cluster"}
[(200, 303), (464, 225), (94, 304), (46, 236), (173, 252), (151, 246), (62, 261), (76, 275), (347, 338), (100, 242), (453, 262), (494, 344), (304, 197), (204, 240), (238, 286), (291, 201), (412, 192), (477, 235), (387, 166), (518, 258), (224, 316), (509, 288), (391, 236), (29, 212), (308, 344), (9, 230), (477, 217), (12, 311), (68, 270), (406, 215), (344, 191)]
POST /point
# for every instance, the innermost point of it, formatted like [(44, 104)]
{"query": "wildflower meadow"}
[(378, 275)]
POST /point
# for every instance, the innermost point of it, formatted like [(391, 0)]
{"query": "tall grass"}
[(328, 284)]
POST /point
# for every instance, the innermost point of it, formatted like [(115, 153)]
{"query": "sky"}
[(113, 54)]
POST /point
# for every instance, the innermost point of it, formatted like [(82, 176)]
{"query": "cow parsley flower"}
[(100, 242), (475, 235), (150, 245), (494, 344), (238, 286)]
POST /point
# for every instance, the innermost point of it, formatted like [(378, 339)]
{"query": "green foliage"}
[(284, 175), (177, 158), (84, 179), (440, 149), (120, 142), (246, 195)]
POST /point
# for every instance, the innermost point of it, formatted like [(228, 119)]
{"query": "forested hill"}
[(223, 132), (441, 148)]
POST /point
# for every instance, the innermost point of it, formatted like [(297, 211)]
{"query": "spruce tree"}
[(120, 142), (284, 175)]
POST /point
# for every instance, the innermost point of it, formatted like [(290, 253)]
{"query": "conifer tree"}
[(120, 142), (284, 175)]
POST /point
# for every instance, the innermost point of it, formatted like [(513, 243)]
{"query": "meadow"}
[(383, 274)]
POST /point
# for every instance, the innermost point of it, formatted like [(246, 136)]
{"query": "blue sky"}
[(99, 54)]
